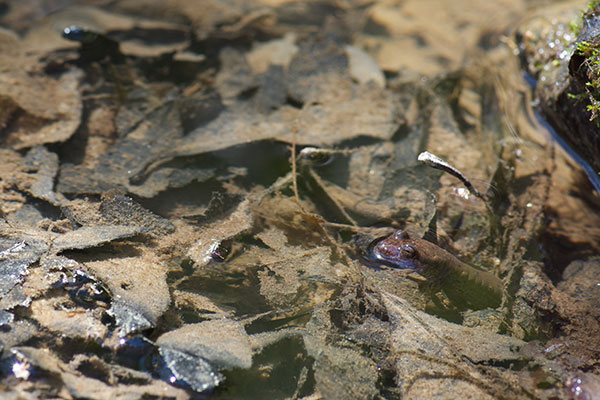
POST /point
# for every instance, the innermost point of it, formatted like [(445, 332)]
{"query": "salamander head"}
[(396, 251)]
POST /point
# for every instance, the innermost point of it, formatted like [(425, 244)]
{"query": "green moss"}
[(583, 47), (575, 26), (591, 65)]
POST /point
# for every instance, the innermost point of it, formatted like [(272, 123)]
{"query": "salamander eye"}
[(408, 251)]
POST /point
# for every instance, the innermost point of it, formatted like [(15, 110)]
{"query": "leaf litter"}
[(187, 213)]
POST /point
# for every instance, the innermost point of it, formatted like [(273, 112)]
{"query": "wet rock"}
[(223, 343), (311, 15), (19, 332), (363, 68), (48, 115), (82, 386), (295, 277), (540, 310), (82, 212), (272, 91), (422, 345), (136, 350), (93, 236), (277, 52), (235, 75), (213, 16), (30, 360), (394, 30), (199, 109), (119, 209), (274, 238), (329, 117), (28, 215), (201, 252), (15, 258), (583, 386), (5, 319), (84, 289), (191, 370), (336, 367), (202, 306), (138, 288), (135, 36), (340, 372), (175, 128), (128, 318), (128, 164), (71, 322), (563, 67), (581, 281), (15, 297), (45, 164), (32, 174), (315, 69), (534, 291), (39, 358)]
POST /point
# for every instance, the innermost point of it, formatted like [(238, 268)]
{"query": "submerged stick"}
[(434, 161), (294, 175)]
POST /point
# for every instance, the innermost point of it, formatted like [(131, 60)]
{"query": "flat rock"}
[(138, 287), (92, 236), (424, 346), (224, 343)]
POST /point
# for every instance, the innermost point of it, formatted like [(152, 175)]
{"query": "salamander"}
[(465, 286)]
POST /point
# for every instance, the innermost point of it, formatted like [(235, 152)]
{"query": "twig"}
[(294, 179), (434, 161)]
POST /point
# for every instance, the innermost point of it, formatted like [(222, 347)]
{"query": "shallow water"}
[(189, 192)]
